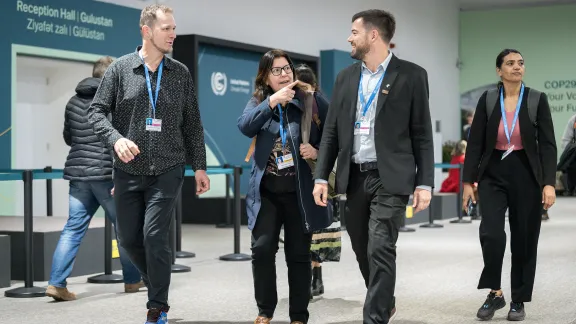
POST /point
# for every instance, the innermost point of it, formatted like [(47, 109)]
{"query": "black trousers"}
[(144, 205), (373, 218), (280, 207), (510, 184)]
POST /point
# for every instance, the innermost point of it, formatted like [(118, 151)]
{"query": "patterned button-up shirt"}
[(124, 94)]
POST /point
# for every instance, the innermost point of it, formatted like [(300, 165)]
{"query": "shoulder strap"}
[(250, 150), (533, 100), (491, 97)]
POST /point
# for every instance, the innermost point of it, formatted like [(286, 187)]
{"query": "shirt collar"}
[(137, 61), (382, 65)]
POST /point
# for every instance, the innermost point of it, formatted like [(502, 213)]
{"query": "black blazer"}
[(402, 131), (541, 152)]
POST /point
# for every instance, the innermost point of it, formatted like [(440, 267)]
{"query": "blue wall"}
[(83, 26), (331, 63), (225, 84)]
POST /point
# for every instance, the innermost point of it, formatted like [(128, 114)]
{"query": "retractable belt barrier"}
[(49, 174)]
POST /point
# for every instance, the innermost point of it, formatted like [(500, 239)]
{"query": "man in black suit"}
[(379, 128)]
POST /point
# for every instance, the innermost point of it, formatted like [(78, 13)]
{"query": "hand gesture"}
[(307, 151), (320, 194), (283, 95), (202, 182), (548, 196), (421, 200), (126, 149), (467, 194)]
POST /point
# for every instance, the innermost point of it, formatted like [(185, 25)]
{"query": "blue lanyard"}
[(282, 131), (374, 92), (149, 85), (504, 121)]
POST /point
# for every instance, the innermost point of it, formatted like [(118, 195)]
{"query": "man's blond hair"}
[(148, 14)]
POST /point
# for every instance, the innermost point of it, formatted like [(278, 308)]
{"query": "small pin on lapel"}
[(388, 86)]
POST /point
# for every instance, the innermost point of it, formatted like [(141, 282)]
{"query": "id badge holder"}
[(284, 161), (362, 126), (508, 151), (153, 125)]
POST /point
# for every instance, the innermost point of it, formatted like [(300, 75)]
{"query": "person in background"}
[(452, 183), (466, 127), (569, 136), (280, 187), (514, 162), (326, 243), (156, 130), (88, 167), (380, 131)]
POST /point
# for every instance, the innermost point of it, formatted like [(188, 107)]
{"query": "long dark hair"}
[(262, 90), (500, 61), (305, 74)]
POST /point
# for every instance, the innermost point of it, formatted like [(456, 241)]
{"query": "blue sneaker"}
[(157, 316)]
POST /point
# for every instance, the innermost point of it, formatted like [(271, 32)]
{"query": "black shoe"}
[(490, 306), (516, 312), (317, 284)]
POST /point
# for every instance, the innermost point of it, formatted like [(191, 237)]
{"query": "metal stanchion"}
[(108, 276), (175, 267), (179, 252), (236, 256), (28, 290), (48, 193), (431, 223), (228, 222), (459, 202)]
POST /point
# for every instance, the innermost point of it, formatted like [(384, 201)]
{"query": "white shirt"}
[(363, 149)]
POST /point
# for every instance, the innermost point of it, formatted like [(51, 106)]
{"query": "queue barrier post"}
[(178, 209), (228, 216), (49, 201), (176, 268), (459, 208), (237, 256), (29, 290), (107, 277)]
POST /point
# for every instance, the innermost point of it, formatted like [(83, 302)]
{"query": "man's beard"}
[(161, 50), (360, 52)]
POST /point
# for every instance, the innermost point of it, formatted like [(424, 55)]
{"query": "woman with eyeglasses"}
[(281, 184), (511, 153)]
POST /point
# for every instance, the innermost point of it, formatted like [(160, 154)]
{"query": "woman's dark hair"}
[(262, 90), (305, 74), (500, 60)]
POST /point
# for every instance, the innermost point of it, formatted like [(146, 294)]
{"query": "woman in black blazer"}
[(512, 156)]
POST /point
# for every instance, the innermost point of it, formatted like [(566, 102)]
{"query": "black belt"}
[(367, 166)]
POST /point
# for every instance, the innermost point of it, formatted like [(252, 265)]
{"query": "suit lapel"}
[(353, 88), (387, 83)]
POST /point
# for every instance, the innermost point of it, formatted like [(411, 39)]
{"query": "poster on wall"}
[(547, 67), (225, 85)]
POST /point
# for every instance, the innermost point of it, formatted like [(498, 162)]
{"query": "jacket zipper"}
[(295, 158)]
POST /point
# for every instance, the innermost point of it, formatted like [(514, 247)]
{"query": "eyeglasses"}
[(278, 70)]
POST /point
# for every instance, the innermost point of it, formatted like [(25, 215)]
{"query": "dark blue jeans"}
[(85, 198)]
